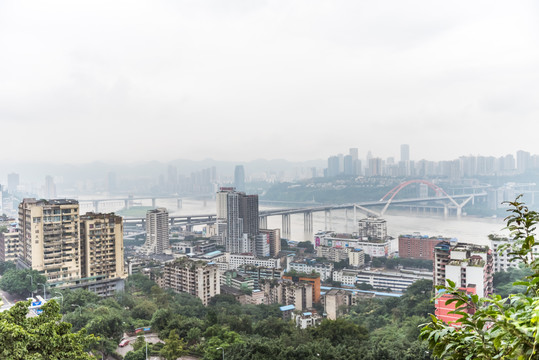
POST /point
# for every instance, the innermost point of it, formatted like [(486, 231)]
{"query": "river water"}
[(466, 229)]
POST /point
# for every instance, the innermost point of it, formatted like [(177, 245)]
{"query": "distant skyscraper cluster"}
[(199, 182), (344, 164), (464, 166)]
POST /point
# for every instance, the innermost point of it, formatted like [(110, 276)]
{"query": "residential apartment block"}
[(469, 266), (50, 238), (418, 246), (102, 247), (10, 245), (157, 240), (70, 250), (197, 278)]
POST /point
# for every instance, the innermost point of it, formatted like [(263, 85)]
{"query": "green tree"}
[(144, 310), (136, 355), (140, 343), (21, 282), (106, 322), (78, 297), (340, 331), (497, 328), (5, 266), (43, 337), (219, 337), (139, 282), (174, 347)]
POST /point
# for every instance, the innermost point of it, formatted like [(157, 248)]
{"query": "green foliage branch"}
[(494, 327)]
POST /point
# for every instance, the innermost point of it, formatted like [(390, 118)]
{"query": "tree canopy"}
[(21, 282), (43, 337)]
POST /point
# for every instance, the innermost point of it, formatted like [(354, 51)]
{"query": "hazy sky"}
[(239, 80)]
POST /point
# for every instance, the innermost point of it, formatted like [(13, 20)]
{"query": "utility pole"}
[(32, 284)]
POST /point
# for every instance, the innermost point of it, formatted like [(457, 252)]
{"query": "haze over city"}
[(239, 80), (253, 179)]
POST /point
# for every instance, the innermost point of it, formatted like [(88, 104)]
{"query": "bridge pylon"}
[(286, 226)]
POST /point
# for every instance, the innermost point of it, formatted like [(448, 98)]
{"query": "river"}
[(465, 229)]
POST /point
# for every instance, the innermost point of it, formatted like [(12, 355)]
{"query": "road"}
[(8, 299), (150, 338)]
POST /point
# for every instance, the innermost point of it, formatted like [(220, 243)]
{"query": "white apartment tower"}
[(467, 265), (156, 231)]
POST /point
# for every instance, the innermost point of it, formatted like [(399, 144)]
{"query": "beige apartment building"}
[(10, 245), (50, 238), (102, 246), (72, 251), (197, 278)]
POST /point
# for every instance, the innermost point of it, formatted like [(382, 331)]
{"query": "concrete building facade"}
[(10, 247), (157, 240), (50, 238), (197, 278), (102, 248)]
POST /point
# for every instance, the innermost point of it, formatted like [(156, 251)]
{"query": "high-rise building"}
[(72, 251), (354, 153), (10, 248), (262, 245), (523, 161), (249, 213), (349, 165), (405, 152), (469, 266), (239, 178), (197, 278), (222, 202), (333, 166), (157, 240), (375, 167), (12, 182), (274, 239), (102, 246), (50, 238), (50, 188), (240, 214), (234, 224), (372, 228)]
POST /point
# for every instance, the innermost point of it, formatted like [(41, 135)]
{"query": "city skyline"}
[(275, 79)]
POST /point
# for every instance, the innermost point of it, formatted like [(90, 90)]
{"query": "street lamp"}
[(44, 291), (62, 295), (220, 348), (32, 284), (80, 308)]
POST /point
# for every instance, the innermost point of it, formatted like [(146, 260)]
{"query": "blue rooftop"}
[(212, 254), (287, 308)]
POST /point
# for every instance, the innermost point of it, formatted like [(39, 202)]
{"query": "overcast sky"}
[(239, 80)]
